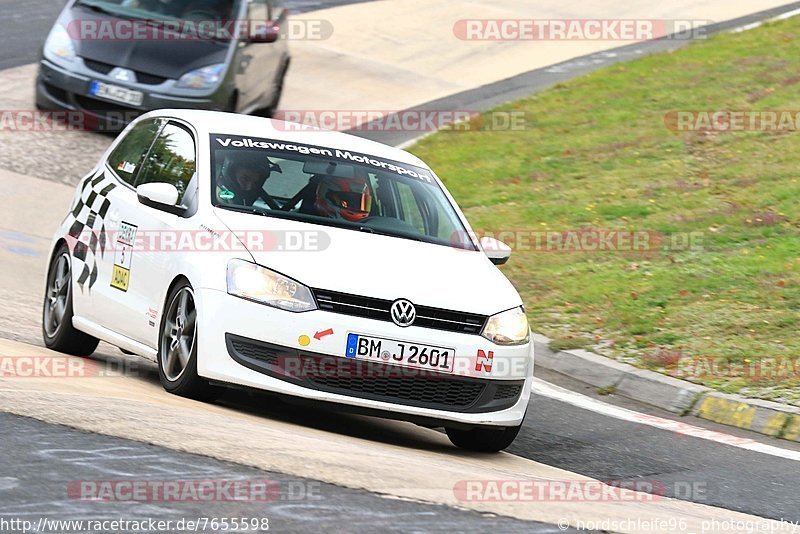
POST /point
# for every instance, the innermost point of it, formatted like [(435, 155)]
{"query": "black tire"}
[(177, 338), (484, 438), (57, 330)]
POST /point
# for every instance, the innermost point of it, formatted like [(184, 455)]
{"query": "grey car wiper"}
[(97, 8), (155, 23)]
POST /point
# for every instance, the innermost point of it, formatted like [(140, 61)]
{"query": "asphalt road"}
[(24, 26), (554, 433), (608, 449), (35, 482), (686, 468)]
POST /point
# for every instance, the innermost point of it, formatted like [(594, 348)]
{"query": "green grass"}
[(596, 152)]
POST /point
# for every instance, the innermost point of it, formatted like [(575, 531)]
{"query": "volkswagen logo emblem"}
[(403, 313)]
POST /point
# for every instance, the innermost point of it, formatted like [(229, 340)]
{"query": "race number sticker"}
[(121, 276)]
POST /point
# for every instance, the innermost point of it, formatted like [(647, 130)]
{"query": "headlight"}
[(60, 44), (253, 282), (204, 78), (508, 328)]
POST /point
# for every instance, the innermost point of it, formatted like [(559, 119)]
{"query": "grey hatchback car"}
[(116, 59)]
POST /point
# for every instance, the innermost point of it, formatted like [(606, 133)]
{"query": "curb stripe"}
[(546, 389)]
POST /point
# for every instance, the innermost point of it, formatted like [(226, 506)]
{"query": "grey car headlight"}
[(204, 78), (60, 44), (508, 328), (253, 282)]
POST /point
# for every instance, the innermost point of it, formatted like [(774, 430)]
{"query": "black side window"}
[(127, 158), (171, 160)]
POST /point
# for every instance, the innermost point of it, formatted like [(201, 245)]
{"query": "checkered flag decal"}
[(88, 228)]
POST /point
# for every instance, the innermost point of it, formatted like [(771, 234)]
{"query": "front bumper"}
[(267, 338), (68, 89)]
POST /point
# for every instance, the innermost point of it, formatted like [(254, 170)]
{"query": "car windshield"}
[(333, 187), (198, 15)]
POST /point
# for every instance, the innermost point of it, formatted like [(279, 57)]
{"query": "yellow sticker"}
[(304, 341), (120, 278)]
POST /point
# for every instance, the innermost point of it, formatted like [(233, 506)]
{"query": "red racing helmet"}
[(343, 198)]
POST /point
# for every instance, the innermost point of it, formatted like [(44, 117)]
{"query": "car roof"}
[(217, 122)]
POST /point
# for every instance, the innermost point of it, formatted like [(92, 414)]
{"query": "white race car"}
[(241, 251)]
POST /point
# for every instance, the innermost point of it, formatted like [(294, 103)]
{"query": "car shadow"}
[(272, 407)]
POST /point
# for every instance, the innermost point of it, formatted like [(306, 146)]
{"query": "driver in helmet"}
[(243, 181), (343, 198)]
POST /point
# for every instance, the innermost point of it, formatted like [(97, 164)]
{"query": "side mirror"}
[(497, 251), (263, 33), (161, 196)]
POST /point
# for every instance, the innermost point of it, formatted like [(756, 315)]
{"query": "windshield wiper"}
[(244, 209), (97, 8), (151, 22), (369, 230)]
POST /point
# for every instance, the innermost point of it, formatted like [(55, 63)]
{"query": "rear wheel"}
[(177, 348), (57, 329), (483, 438)]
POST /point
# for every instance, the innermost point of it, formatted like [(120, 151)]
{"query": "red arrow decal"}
[(323, 333)]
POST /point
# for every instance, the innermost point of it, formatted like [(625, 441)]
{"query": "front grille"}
[(379, 309), (141, 77), (375, 381), (97, 66), (150, 79), (508, 391), (101, 106), (435, 392), (257, 351)]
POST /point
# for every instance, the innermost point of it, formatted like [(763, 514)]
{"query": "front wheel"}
[(483, 438), (57, 330), (177, 348)]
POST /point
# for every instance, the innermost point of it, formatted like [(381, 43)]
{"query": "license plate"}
[(116, 93), (403, 353)]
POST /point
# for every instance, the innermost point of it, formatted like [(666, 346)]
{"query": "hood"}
[(163, 58), (360, 263)]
